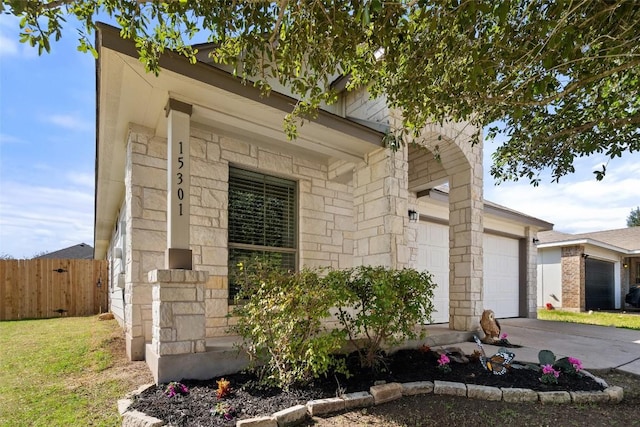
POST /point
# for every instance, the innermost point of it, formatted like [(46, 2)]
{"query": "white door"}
[(501, 275), (433, 256)]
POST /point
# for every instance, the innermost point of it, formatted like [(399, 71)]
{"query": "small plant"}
[(549, 375), (280, 319), (224, 410), (175, 388), (570, 365), (575, 363), (224, 388), (443, 363), (378, 306)]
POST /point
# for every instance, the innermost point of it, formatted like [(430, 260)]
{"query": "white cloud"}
[(578, 203), (36, 219), (83, 179), (69, 121), (8, 46), (9, 139)]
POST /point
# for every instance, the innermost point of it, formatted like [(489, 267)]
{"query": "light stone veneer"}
[(350, 212), (178, 311)]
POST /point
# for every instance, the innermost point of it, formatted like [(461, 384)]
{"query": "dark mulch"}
[(248, 400)]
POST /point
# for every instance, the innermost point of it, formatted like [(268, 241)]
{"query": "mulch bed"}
[(250, 400)]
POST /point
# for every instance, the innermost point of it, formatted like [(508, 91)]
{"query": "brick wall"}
[(572, 265)]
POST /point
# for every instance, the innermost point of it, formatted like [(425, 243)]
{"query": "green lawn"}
[(619, 320), (52, 373)]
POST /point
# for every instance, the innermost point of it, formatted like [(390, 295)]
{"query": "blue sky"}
[(47, 158)]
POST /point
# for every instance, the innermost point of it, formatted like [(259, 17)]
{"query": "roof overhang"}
[(126, 94), (591, 242), (494, 210)]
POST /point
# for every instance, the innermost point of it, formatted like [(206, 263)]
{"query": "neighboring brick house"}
[(179, 154), (588, 271)]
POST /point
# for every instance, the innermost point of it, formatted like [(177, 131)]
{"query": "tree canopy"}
[(558, 78), (633, 220)]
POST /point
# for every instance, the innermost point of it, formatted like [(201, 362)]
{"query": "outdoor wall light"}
[(413, 216), (536, 240), (625, 265)]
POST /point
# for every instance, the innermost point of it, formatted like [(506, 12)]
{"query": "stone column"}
[(380, 205), (178, 311), (531, 274), (572, 265), (465, 249)]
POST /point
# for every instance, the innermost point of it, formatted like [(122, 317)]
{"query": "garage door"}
[(501, 270), (433, 256), (502, 275), (599, 284)]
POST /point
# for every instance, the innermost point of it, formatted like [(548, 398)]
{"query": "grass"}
[(619, 320), (50, 371)]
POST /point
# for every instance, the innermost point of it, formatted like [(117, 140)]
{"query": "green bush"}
[(377, 306), (280, 320)]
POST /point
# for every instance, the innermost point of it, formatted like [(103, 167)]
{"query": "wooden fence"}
[(43, 288)]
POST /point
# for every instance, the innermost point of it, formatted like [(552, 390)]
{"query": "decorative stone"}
[(138, 419), (325, 406), (386, 392), (516, 395), (360, 399), (257, 422), (290, 416), (616, 394), (123, 405), (417, 387), (554, 397), (449, 388), (589, 396), (483, 392)]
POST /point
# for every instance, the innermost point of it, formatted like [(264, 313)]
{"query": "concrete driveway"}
[(598, 347)]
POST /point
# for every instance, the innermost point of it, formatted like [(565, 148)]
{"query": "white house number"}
[(179, 176)]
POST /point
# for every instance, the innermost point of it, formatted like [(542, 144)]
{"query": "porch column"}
[(178, 254), (531, 273), (380, 207), (465, 249), (178, 321)]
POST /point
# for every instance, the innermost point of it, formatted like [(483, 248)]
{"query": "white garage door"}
[(501, 270), (501, 275), (433, 256)]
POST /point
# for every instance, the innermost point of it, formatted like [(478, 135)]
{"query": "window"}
[(262, 221)]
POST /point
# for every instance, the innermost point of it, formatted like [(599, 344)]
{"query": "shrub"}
[(377, 305), (280, 320)]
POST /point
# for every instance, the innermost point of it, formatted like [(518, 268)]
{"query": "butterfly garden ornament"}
[(499, 363)]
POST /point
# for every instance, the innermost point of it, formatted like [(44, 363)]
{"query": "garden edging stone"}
[(391, 391)]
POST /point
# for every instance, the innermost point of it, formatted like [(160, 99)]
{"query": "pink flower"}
[(548, 370), (576, 363), (504, 336), (444, 360)]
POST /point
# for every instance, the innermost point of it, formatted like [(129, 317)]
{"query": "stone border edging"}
[(379, 394)]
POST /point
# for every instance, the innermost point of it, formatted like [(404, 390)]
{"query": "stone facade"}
[(350, 213)]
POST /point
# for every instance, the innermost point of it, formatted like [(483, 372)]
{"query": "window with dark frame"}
[(262, 222)]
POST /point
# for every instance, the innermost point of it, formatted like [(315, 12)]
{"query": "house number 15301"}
[(180, 178)]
